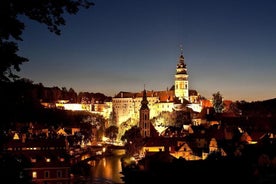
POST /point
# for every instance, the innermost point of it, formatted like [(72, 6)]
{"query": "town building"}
[(42, 160), (144, 120), (126, 105)]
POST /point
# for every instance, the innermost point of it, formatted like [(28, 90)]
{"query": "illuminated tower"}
[(144, 122), (181, 79)]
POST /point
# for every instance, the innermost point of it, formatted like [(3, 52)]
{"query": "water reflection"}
[(108, 168)]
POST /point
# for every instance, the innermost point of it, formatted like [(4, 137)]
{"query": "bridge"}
[(95, 153)]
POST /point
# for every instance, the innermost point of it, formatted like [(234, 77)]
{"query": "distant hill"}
[(266, 108), (21, 102)]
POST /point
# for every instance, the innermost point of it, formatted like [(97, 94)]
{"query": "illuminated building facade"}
[(126, 105), (181, 80), (43, 160)]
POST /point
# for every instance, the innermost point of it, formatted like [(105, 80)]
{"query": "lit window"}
[(34, 174)]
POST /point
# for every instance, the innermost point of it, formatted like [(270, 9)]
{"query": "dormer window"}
[(33, 160)]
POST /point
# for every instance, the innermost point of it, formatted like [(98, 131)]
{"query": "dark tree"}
[(134, 140), (112, 132), (48, 12), (72, 95), (218, 102), (12, 169)]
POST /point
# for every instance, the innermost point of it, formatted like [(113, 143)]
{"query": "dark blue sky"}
[(228, 45)]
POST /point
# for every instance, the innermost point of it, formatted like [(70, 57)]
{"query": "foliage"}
[(112, 132), (134, 140), (164, 119), (21, 102), (257, 108), (47, 12), (93, 122), (126, 126), (12, 169), (218, 102), (171, 119), (91, 98)]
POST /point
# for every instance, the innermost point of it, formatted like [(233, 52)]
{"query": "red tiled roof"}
[(193, 92), (164, 96), (256, 135), (206, 103)]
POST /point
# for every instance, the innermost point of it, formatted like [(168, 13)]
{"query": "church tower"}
[(181, 79), (144, 122)]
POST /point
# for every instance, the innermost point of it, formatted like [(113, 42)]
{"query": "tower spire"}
[(144, 122), (144, 102), (181, 49), (181, 78)]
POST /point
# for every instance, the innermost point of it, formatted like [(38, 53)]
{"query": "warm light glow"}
[(104, 162), (153, 149), (34, 174), (63, 101), (105, 138), (108, 169), (16, 136), (74, 107), (195, 107), (85, 156)]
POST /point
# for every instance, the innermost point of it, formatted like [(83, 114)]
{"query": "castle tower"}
[(181, 79), (144, 122)]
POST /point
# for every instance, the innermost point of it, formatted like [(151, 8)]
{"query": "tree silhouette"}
[(134, 140), (218, 102), (112, 132), (48, 12)]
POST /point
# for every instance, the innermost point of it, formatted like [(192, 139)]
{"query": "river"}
[(107, 170)]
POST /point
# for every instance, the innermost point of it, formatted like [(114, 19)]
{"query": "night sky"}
[(229, 46)]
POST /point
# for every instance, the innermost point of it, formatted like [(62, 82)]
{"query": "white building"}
[(126, 105)]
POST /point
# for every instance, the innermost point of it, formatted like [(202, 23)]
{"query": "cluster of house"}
[(41, 160), (47, 159), (206, 153), (42, 155), (126, 105)]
